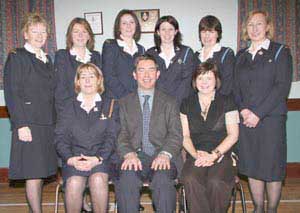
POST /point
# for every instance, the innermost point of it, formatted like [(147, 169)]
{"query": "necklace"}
[(204, 109)]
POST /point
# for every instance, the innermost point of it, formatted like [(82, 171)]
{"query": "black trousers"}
[(162, 185), (208, 189)]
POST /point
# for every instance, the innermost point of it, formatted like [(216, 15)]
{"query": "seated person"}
[(210, 129), (84, 139), (148, 145)]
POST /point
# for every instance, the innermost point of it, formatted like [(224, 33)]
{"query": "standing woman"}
[(263, 76), (210, 34), (29, 94), (175, 60), (119, 55), (79, 49)]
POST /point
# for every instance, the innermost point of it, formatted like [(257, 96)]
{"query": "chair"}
[(59, 189)]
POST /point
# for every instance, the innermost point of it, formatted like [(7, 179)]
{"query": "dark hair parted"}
[(204, 68), (69, 41), (145, 57), (117, 31), (208, 23), (171, 20)]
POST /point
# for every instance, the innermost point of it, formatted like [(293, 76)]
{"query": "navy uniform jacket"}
[(118, 67), (263, 85), (176, 80), (225, 60), (92, 134), (66, 65), (29, 89)]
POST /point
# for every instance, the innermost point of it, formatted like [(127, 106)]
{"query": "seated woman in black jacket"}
[(210, 129), (84, 139)]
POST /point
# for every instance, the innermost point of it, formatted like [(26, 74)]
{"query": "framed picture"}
[(96, 22), (147, 19)]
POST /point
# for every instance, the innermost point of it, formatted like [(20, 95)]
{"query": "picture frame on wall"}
[(147, 19), (96, 22)]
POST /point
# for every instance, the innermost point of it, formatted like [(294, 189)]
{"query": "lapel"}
[(135, 113), (156, 109)]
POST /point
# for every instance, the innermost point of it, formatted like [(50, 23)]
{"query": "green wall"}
[(293, 139)]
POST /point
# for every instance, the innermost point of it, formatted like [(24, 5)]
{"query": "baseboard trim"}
[(292, 171)]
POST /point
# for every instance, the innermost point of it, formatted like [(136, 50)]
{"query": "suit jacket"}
[(165, 127), (29, 89)]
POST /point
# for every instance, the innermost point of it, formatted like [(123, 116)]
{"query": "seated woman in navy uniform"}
[(84, 137), (210, 129), (175, 61), (29, 95), (79, 50), (210, 34), (119, 55)]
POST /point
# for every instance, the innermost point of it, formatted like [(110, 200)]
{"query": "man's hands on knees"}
[(161, 162), (131, 161)]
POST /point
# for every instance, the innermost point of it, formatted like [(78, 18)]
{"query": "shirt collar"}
[(216, 48), (167, 59), (87, 56), (264, 45), (126, 48), (80, 98), (146, 92), (41, 55)]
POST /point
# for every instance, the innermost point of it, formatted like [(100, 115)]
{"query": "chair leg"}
[(184, 200), (243, 200), (234, 198), (56, 197)]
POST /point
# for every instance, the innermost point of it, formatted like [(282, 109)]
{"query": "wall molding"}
[(293, 104), (3, 112), (292, 171)]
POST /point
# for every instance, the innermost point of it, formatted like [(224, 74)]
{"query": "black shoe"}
[(86, 211), (141, 208)]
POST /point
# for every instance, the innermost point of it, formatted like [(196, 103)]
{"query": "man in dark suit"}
[(149, 142)]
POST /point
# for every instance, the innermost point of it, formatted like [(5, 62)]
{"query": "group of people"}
[(128, 114)]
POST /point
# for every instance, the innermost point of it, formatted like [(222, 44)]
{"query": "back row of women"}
[(259, 86)]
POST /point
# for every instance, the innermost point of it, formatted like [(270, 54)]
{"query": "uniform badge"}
[(179, 61)]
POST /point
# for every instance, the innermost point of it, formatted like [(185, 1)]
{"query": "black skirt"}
[(35, 159)]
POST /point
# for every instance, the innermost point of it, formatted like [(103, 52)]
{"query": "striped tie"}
[(148, 148)]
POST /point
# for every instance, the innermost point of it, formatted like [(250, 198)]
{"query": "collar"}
[(87, 56), (167, 59), (146, 92), (80, 98), (41, 55), (126, 48), (212, 97), (264, 45), (216, 48)]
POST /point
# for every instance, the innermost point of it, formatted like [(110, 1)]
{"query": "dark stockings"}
[(257, 188), (34, 195)]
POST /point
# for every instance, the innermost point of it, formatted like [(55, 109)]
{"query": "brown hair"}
[(31, 19), (69, 41), (117, 32), (171, 20), (210, 23), (204, 68), (96, 71), (145, 57), (270, 32)]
